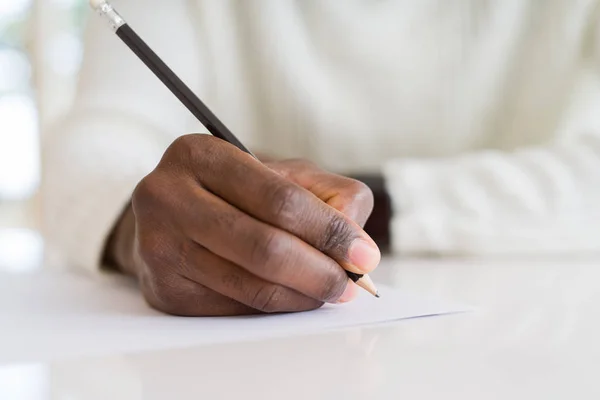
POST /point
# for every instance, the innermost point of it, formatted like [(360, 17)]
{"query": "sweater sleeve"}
[(122, 120), (542, 199)]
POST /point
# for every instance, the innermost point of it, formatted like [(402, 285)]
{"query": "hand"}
[(212, 231)]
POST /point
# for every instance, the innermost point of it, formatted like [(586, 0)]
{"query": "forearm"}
[(538, 200), (92, 162)]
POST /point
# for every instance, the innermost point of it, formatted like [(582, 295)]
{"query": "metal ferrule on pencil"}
[(108, 13)]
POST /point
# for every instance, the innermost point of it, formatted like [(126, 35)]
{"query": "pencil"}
[(186, 96)]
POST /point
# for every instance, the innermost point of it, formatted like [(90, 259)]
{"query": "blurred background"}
[(40, 54)]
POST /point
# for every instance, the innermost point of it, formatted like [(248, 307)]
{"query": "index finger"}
[(269, 197), (351, 197)]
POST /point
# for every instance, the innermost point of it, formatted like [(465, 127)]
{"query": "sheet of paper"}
[(55, 315)]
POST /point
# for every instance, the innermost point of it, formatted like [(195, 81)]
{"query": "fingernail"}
[(349, 294), (364, 256)]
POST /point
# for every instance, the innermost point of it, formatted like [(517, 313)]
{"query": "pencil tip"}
[(377, 295), (366, 283)]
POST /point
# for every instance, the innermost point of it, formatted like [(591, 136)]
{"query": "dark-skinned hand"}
[(212, 231)]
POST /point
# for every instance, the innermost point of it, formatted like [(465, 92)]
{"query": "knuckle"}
[(267, 299), (285, 203), (146, 193), (269, 251), (188, 141), (337, 237), (182, 148), (158, 197), (183, 260), (162, 293), (333, 286), (154, 251), (156, 192), (192, 147)]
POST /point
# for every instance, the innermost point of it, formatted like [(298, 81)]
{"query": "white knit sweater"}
[(483, 115)]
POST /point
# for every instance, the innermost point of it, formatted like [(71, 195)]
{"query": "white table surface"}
[(535, 335)]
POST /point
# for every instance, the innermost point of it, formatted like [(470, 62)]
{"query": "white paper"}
[(55, 315)]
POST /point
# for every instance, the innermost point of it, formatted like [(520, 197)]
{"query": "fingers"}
[(255, 189), (263, 250), (230, 280), (218, 233), (349, 196), (178, 295)]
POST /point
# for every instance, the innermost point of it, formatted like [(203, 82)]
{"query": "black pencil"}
[(186, 96)]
